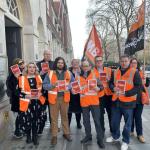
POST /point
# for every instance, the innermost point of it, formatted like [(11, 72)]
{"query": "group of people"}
[(118, 92)]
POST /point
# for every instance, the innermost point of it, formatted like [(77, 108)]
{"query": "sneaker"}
[(132, 134), (86, 139), (79, 126), (111, 139), (141, 139), (54, 140), (67, 137), (101, 144), (124, 146), (18, 135)]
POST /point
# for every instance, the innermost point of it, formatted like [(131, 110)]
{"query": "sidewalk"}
[(19, 144)]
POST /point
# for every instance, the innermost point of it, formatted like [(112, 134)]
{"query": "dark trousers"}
[(78, 118), (117, 113), (19, 122), (137, 119), (32, 116), (105, 103), (95, 110)]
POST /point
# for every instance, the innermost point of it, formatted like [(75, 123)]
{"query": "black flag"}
[(135, 39)]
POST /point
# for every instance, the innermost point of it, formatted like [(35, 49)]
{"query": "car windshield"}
[(147, 68)]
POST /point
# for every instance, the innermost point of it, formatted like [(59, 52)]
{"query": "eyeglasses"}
[(99, 60), (134, 63), (85, 66), (20, 63)]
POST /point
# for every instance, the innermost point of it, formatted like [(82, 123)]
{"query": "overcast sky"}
[(77, 12)]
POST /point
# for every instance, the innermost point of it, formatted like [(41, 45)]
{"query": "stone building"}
[(27, 28)]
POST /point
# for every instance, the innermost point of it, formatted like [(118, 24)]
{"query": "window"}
[(13, 8)]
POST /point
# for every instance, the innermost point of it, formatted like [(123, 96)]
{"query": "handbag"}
[(145, 97)]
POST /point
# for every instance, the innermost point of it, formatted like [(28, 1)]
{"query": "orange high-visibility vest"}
[(147, 97), (87, 98), (101, 93), (25, 88), (108, 72), (52, 94), (128, 77)]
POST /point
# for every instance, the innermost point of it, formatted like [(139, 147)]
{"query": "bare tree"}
[(114, 16)]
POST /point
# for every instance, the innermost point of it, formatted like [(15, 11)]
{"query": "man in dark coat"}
[(43, 69)]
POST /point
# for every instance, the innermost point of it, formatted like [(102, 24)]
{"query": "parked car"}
[(147, 71)]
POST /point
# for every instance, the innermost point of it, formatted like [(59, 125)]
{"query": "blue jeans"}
[(117, 113), (137, 119)]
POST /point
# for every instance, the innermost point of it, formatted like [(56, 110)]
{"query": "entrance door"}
[(13, 41)]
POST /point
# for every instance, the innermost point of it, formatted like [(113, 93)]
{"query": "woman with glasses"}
[(137, 112), (13, 93)]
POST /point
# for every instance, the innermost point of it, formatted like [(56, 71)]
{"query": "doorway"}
[(13, 40)]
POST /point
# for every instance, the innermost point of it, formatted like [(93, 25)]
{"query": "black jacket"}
[(13, 92), (45, 93)]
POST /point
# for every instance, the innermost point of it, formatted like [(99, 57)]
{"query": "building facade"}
[(27, 28)]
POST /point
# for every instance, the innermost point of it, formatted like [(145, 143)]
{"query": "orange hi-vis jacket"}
[(106, 90), (52, 94), (87, 98), (25, 88), (128, 78)]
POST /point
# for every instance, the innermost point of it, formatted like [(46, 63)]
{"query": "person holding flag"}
[(106, 94), (89, 99)]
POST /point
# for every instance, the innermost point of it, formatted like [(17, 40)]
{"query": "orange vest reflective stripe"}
[(128, 77), (108, 72), (25, 88), (52, 94), (101, 92), (87, 98)]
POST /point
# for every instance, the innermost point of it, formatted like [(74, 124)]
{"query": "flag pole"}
[(144, 34)]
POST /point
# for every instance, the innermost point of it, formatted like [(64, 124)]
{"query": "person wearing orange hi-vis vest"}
[(89, 100), (30, 100), (57, 82), (125, 84), (106, 94)]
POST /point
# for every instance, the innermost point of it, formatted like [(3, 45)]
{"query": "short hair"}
[(97, 57), (124, 56), (56, 61), (17, 60), (85, 61)]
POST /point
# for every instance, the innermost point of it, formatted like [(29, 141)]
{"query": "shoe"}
[(86, 139), (58, 129), (141, 139), (18, 135), (35, 140), (124, 146), (101, 144), (40, 133), (28, 140), (111, 139), (132, 134), (79, 126), (54, 140), (67, 137)]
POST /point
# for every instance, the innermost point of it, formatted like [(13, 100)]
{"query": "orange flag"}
[(92, 47)]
